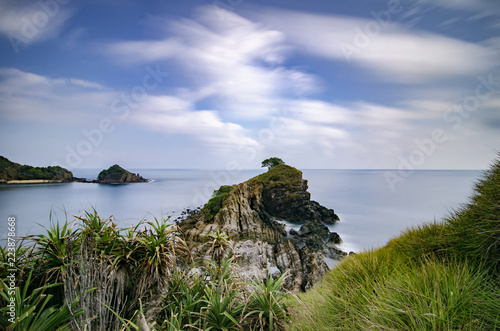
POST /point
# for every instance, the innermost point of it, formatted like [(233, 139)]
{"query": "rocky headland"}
[(250, 214)]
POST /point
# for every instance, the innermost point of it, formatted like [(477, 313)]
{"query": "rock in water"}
[(116, 174), (249, 213)]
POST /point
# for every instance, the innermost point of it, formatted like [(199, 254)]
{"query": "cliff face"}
[(116, 174), (250, 213)]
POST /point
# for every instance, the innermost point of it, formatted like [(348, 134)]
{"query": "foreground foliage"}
[(92, 275), (441, 276)]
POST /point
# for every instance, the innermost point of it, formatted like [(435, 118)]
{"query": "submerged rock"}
[(250, 214)]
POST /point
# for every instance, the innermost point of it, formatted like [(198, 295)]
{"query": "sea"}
[(372, 209)]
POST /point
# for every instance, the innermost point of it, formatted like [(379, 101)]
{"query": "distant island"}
[(15, 173), (116, 174)]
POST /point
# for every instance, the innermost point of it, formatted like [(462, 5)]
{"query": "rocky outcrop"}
[(116, 174), (251, 213)]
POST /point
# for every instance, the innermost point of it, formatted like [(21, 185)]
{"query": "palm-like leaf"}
[(268, 302), (53, 248), (33, 312)]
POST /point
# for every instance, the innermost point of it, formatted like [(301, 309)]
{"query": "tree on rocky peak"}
[(272, 162)]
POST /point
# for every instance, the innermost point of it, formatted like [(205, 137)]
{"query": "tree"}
[(272, 162)]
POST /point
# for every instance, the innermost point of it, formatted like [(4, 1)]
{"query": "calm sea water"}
[(370, 212)]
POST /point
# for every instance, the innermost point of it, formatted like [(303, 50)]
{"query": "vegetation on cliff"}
[(14, 171), (212, 207), (280, 176), (440, 276)]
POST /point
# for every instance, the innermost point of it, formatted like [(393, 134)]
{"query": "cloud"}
[(470, 5), (383, 47), (26, 24), (30, 97), (242, 65), (349, 133), (235, 61), (33, 98), (172, 115)]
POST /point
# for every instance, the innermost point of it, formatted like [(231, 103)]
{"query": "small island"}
[(116, 175), (15, 173)]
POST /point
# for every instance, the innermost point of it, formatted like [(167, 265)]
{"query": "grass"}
[(281, 176), (212, 207), (439, 276)]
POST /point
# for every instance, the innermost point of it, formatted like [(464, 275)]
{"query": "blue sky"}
[(408, 84)]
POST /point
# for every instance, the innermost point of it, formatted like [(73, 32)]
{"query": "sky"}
[(225, 84)]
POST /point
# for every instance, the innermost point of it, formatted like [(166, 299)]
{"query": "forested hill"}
[(14, 171)]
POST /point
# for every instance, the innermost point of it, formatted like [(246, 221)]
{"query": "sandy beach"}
[(32, 181)]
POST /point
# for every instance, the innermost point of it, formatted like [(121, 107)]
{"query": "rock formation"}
[(116, 174), (250, 214)]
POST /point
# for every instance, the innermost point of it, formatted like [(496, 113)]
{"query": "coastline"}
[(31, 181), (74, 180)]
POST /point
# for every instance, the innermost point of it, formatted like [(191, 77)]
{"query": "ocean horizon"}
[(371, 211)]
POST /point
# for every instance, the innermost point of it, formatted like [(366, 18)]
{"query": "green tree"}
[(272, 162)]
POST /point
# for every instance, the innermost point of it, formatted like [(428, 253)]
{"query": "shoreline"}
[(75, 180), (31, 181)]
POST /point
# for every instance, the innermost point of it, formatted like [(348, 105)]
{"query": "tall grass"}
[(440, 276)]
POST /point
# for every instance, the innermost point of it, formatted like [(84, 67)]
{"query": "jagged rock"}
[(334, 238), (250, 214)]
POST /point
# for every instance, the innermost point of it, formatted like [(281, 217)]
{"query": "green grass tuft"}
[(280, 176), (212, 207)]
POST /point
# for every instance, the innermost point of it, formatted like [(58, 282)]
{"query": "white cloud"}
[(32, 23), (385, 48), (171, 115), (242, 64), (33, 98), (349, 135), (237, 61), (458, 4), (30, 97), (85, 83)]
